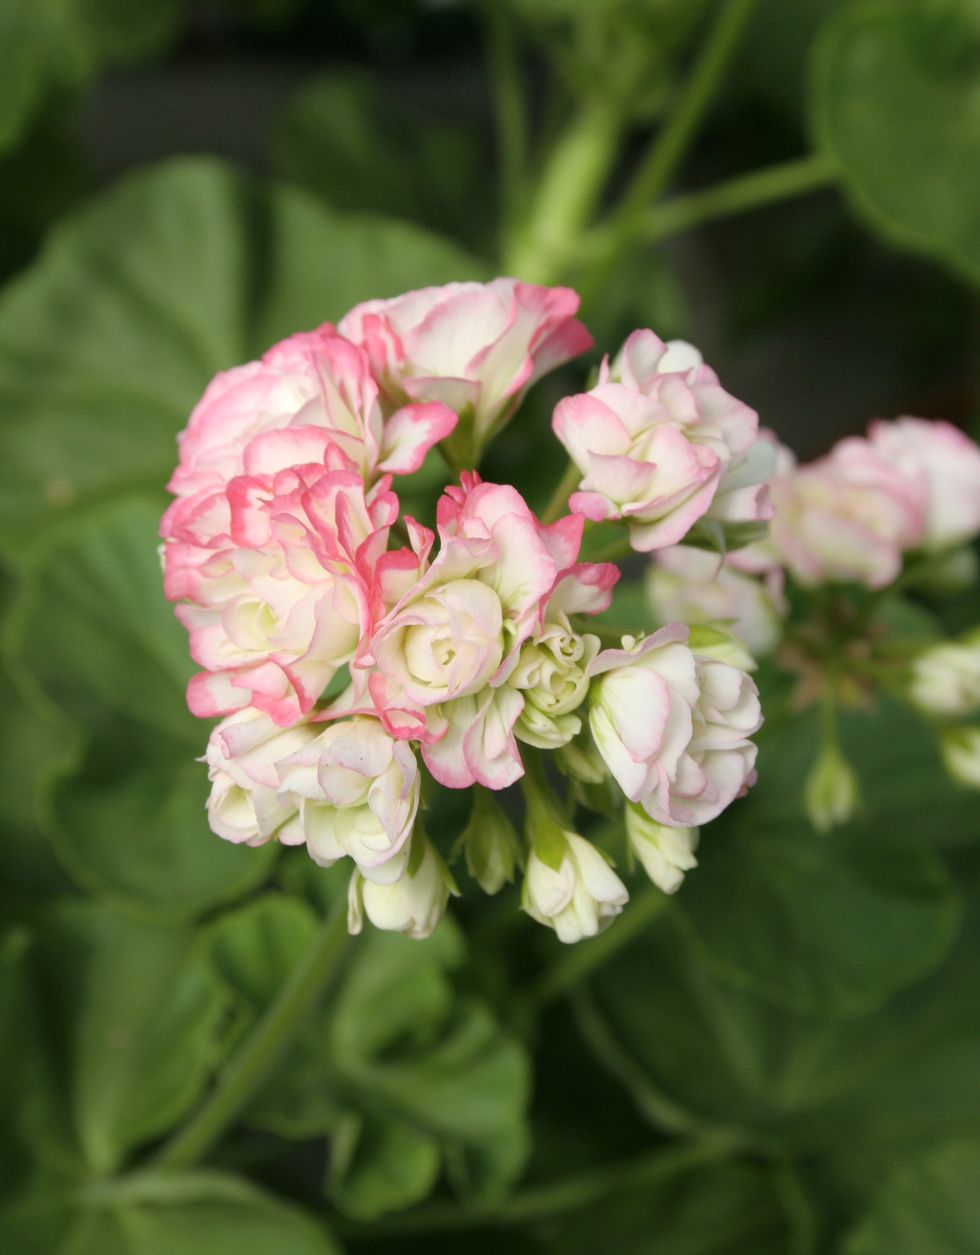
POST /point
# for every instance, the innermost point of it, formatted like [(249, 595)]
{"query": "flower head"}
[(575, 892), (846, 518), (942, 466), (674, 727), (476, 347), (358, 794), (413, 904), (658, 439)]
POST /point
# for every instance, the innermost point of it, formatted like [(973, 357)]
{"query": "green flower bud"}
[(490, 844), (960, 749), (832, 791)]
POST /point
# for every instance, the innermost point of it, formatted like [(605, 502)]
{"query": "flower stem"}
[(509, 103), (747, 191), (262, 1048), (672, 142), (558, 501), (570, 186), (581, 960)]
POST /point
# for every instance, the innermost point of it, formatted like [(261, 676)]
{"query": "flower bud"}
[(945, 679), (491, 844), (960, 749), (666, 853), (832, 791), (413, 904), (569, 886)]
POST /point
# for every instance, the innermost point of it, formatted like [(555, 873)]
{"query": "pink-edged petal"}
[(411, 432)]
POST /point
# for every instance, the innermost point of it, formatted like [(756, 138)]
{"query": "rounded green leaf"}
[(859, 1096), (403, 1073), (193, 1213), (174, 274), (930, 1208), (831, 924), (896, 104), (128, 1035)]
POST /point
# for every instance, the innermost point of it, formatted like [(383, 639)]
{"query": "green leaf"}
[(404, 1072), (29, 743), (48, 47), (128, 1034), (380, 1164), (178, 272), (195, 1213), (930, 1208), (724, 1208), (341, 140), (853, 1097), (125, 807), (895, 104), (829, 923)]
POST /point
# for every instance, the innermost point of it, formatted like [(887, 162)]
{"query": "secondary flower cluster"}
[(352, 654), (896, 509)]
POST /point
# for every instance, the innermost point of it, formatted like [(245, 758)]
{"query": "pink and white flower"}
[(476, 347), (658, 440), (311, 390), (847, 517), (665, 853), (413, 904), (578, 897), (691, 586), (942, 464), (277, 585), (439, 662), (245, 805), (358, 794), (673, 727)]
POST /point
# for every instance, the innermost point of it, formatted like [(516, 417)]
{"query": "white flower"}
[(579, 896), (666, 853), (960, 748), (413, 904), (694, 586), (674, 727), (551, 675), (945, 679), (360, 795), (242, 754)]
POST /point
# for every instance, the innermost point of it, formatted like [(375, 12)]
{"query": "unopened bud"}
[(413, 904), (490, 844), (665, 853), (832, 791), (945, 679), (960, 749)]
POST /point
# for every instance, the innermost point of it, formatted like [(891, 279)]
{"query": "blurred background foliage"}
[(784, 1058)]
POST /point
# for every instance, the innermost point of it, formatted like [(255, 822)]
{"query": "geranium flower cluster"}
[(894, 510), (357, 658)]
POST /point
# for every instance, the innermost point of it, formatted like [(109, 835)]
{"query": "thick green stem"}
[(261, 1050), (566, 196), (672, 142), (509, 104), (747, 191)]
